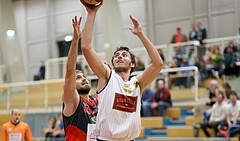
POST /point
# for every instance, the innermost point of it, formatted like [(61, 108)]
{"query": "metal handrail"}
[(45, 93)]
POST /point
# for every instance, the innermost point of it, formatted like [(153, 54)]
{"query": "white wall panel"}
[(35, 8), (222, 5), (98, 43), (164, 32), (38, 52), (200, 7), (67, 5), (63, 25), (135, 8), (20, 18), (37, 30), (224, 25), (167, 9), (132, 40)]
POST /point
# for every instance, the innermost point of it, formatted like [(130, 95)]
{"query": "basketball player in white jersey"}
[(118, 116)]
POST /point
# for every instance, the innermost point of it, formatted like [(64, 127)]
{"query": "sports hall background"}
[(41, 25)]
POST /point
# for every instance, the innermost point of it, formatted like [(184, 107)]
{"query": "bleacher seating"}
[(173, 112), (191, 120)]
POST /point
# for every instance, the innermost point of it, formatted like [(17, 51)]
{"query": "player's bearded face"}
[(84, 90)]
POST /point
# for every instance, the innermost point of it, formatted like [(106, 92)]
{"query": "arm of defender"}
[(70, 96)]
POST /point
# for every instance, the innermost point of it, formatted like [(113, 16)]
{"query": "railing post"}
[(46, 96), (27, 99), (47, 74), (196, 83), (8, 99)]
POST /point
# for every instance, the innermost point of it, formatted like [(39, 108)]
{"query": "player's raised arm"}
[(156, 65), (70, 95), (94, 61)]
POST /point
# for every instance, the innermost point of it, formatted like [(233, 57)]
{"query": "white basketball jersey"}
[(118, 116)]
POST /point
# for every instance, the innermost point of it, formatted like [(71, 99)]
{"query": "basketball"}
[(91, 2)]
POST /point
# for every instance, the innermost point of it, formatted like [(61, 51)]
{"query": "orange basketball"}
[(91, 2)]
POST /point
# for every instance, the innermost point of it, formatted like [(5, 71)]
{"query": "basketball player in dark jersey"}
[(79, 108)]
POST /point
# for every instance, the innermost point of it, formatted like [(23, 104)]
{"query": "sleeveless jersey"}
[(119, 109), (75, 126)]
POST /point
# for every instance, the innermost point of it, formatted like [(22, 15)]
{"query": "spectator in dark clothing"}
[(212, 93), (139, 64), (78, 66), (58, 132), (161, 54), (230, 59), (42, 70), (202, 35), (228, 89), (172, 80), (201, 68), (179, 53), (202, 32), (51, 126), (193, 35), (232, 45), (162, 98), (147, 99), (187, 78)]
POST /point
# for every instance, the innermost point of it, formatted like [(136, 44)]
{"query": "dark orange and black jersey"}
[(75, 126)]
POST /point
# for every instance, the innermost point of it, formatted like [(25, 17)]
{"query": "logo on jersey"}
[(91, 112), (125, 103)]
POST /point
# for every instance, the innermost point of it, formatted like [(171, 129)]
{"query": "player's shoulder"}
[(6, 124), (24, 123)]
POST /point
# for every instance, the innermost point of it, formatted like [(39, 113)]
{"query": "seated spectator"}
[(212, 93), (58, 132), (228, 90), (161, 54), (215, 63), (179, 53), (186, 79), (171, 78), (147, 99), (51, 126), (231, 45), (201, 68), (233, 115), (206, 58), (229, 60), (218, 115), (139, 64), (162, 98)]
